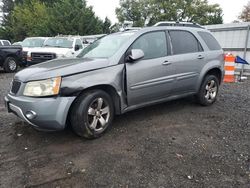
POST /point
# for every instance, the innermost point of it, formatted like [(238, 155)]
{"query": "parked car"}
[(29, 44), (55, 47), (89, 39), (10, 57), (116, 74), (17, 43), (4, 43)]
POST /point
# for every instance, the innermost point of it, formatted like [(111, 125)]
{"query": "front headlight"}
[(43, 88)]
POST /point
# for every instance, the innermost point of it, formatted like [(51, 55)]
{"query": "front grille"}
[(41, 57), (15, 86)]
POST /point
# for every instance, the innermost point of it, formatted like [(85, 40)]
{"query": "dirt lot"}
[(175, 144)]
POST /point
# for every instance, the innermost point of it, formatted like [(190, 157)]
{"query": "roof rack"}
[(179, 24), (130, 29), (67, 36)]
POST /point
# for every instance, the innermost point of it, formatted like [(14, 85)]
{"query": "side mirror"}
[(77, 47), (135, 55)]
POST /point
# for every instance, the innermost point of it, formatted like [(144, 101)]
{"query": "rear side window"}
[(154, 45), (209, 39), (184, 42), (6, 43)]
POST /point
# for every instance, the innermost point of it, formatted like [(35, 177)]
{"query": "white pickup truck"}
[(29, 44), (55, 47)]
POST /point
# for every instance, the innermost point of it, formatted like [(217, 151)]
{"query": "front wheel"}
[(208, 91), (92, 114), (10, 65)]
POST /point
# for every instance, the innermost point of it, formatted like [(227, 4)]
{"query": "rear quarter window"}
[(184, 42), (209, 39)]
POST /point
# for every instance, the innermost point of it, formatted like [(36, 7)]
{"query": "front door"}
[(150, 78)]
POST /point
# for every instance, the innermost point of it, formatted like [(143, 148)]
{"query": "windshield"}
[(105, 47), (31, 42), (59, 43)]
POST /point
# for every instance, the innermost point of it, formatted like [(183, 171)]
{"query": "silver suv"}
[(116, 74)]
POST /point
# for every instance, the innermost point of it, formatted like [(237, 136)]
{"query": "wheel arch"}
[(12, 55), (109, 90), (104, 87), (217, 71)]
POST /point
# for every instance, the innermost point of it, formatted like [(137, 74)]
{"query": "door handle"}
[(200, 57), (166, 63)]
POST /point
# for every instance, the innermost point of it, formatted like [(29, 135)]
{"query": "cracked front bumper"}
[(49, 113)]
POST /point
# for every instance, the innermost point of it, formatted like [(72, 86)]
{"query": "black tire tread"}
[(200, 95), (6, 65), (76, 120)]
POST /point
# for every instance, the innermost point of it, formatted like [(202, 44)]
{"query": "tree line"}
[(49, 18), (25, 18), (149, 12)]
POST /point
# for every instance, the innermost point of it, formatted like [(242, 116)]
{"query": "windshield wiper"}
[(59, 47)]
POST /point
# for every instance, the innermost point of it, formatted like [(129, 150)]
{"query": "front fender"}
[(74, 84)]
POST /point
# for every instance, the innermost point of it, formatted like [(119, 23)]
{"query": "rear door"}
[(187, 59), (150, 78)]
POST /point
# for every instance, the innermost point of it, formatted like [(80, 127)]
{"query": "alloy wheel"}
[(211, 90), (98, 114), (12, 65)]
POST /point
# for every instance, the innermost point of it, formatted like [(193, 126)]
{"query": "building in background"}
[(234, 38)]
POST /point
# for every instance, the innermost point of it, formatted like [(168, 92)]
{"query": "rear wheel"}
[(10, 65), (208, 90), (92, 114)]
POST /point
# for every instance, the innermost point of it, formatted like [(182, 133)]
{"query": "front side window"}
[(154, 45), (79, 43), (184, 42)]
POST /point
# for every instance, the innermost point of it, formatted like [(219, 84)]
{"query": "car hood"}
[(53, 50), (30, 48), (62, 51), (60, 67)]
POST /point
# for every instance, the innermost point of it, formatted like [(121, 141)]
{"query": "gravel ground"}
[(175, 144)]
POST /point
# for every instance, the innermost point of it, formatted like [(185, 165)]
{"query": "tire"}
[(208, 92), (92, 114), (10, 65)]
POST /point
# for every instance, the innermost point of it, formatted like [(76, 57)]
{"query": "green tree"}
[(23, 18), (115, 28), (74, 17), (49, 18), (149, 12), (106, 26), (28, 19), (7, 6), (245, 14)]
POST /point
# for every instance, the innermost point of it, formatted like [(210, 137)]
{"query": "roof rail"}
[(67, 36), (180, 24), (130, 29)]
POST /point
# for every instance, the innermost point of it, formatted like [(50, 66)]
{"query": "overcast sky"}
[(231, 8)]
